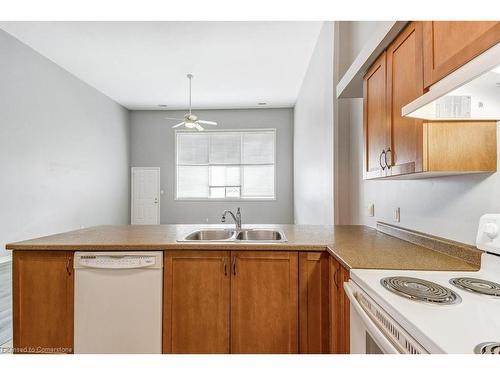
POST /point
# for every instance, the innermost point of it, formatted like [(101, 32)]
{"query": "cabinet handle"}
[(234, 266), (68, 266), (380, 159), (390, 160), (335, 278), (225, 266)]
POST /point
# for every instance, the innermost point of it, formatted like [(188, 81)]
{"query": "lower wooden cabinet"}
[(339, 309), (314, 303), (264, 302), (43, 301), (196, 302), (214, 302)]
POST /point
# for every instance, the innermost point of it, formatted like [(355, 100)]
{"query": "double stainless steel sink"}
[(233, 235)]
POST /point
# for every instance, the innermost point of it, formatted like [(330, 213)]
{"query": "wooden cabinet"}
[(374, 119), (214, 302), (43, 301), (339, 308), (450, 44), (314, 319), (460, 146), (264, 306), (397, 146), (196, 302), (404, 150)]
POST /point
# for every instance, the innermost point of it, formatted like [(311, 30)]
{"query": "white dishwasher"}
[(118, 302)]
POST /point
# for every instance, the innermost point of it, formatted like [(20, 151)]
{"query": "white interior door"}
[(145, 195)]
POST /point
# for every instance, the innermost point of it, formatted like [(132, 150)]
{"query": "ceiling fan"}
[(190, 120)]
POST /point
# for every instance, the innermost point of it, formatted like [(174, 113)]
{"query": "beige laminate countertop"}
[(354, 246)]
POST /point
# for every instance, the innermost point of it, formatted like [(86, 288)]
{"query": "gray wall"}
[(64, 149), (448, 206), (152, 145), (5, 300), (313, 137)]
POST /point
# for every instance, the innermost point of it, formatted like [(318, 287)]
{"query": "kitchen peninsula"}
[(283, 297)]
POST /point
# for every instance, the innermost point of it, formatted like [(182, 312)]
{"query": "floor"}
[(6, 348)]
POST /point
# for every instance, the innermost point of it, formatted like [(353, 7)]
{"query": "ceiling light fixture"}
[(190, 120)]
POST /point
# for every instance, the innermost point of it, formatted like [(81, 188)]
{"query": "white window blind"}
[(225, 164)]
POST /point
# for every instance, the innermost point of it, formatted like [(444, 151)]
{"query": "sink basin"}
[(210, 235), (231, 235), (260, 235)]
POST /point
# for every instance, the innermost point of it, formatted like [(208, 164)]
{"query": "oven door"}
[(372, 330)]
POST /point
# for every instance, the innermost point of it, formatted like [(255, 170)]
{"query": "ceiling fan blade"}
[(179, 124), (199, 127), (171, 118), (207, 122)]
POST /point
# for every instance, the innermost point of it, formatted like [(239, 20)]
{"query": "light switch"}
[(396, 216)]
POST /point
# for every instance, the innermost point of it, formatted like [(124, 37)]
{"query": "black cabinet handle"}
[(380, 159), (68, 266), (385, 157)]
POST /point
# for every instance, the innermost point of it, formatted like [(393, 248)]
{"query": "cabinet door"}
[(196, 302), (335, 315), (344, 313), (374, 118), (314, 318), (264, 308), (43, 285), (339, 309), (404, 84), (450, 44)]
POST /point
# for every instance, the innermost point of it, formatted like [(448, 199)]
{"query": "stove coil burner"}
[(420, 290), (477, 286), (488, 348)]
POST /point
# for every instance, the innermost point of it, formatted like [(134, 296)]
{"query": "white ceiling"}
[(143, 64)]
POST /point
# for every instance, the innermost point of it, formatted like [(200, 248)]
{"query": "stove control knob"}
[(491, 230)]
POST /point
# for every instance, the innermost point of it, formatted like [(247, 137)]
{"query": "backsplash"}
[(5, 300)]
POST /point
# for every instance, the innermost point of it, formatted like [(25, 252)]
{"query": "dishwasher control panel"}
[(118, 260)]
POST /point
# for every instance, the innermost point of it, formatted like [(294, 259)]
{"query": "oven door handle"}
[(375, 332)]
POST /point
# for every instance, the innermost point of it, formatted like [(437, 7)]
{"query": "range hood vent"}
[(472, 92)]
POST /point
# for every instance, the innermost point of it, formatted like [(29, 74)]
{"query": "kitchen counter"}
[(354, 246)]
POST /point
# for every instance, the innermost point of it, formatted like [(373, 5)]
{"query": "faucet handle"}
[(238, 211)]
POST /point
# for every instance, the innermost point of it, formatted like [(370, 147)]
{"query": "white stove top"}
[(455, 328)]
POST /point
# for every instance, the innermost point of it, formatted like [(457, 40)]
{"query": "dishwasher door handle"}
[(116, 262)]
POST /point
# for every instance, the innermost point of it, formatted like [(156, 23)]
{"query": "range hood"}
[(472, 92)]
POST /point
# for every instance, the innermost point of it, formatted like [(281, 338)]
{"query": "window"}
[(225, 164)]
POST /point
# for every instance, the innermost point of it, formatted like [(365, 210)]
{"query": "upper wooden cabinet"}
[(196, 302), (397, 146), (264, 306), (450, 44), (375, 119), (404, 84), (43, 301)]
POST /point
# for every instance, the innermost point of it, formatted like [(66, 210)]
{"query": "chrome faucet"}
[(237, 218)]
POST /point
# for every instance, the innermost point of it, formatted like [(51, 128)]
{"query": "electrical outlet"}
[(371, 210), (396, 215)]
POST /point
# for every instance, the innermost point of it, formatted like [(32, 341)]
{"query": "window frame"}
[(231, 199)]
